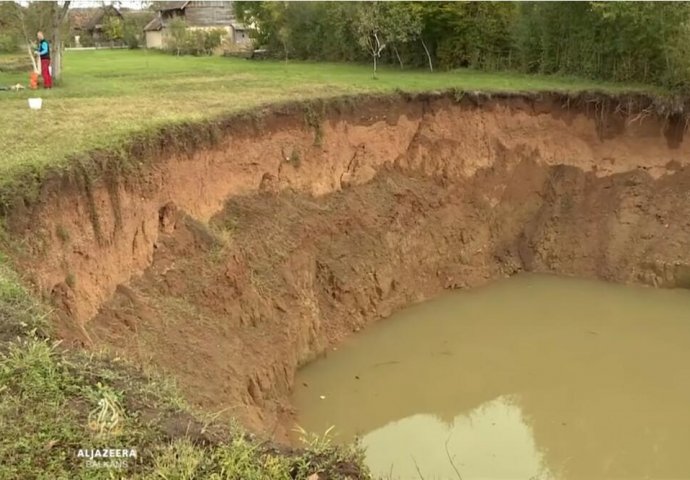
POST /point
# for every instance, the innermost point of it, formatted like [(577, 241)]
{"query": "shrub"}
[(86, 41), (183, 41), (203, 42), (213, 39), (193, 42), (131, 36)]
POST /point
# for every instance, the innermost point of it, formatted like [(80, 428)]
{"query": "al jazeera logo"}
[(107, 458), (106, 421)]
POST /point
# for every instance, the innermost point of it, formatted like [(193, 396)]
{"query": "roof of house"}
[(154, 25), (172, 5), (98, 17), (160, 22), (80, 17)]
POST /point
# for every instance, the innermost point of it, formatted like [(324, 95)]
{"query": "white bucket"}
[(35, 103)]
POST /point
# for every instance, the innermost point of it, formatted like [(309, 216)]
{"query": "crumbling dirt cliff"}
[(231, 265)]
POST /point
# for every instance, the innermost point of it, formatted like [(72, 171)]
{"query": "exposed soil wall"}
[(229, 266)]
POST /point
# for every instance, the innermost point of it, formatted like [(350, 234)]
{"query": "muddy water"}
[(532, 377)]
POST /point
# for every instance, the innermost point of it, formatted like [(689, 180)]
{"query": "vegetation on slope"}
[(54, 402)]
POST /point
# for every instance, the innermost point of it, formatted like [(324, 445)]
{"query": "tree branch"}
[(65, 7)]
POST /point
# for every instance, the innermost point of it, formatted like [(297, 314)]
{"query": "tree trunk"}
[(395, 49), (59, 15), (374, 65), (426, 50)]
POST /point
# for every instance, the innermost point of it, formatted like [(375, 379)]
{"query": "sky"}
[(135, 4), (122, 3)]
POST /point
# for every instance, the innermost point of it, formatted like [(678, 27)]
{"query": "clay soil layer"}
[(230, 266)]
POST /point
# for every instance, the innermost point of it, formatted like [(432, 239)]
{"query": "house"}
[(95, 27), (197, 15), (87, 24), (78, 18)]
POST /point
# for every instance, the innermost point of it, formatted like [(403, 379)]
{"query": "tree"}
[(114, 28), (283, 35), (59, 14), (133, 25), (403, 24), (370, 30), (379, 24), (178, 34), (271, 21), (10, 27)]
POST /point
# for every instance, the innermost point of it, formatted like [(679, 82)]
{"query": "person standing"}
[(43, 52)]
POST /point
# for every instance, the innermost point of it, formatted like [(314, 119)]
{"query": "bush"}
[(183, 41), (193, 42), (131, 37), (86, 41), (213, 39)]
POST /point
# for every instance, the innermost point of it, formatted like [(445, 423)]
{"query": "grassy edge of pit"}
[(25, 187)]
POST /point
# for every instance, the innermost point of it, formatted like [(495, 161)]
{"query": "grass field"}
[(107, 95)]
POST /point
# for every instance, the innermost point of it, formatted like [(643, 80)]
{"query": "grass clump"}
[(62, 234), (20, 314), (295, 160)]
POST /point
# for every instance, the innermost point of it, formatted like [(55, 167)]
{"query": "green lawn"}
[(108, 94)]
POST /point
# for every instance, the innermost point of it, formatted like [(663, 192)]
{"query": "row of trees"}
[(622, 41)]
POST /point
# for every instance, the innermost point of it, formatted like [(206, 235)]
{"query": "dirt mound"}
[(232, 266)]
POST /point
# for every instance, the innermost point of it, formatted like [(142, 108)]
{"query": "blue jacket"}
[(43, 49)]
